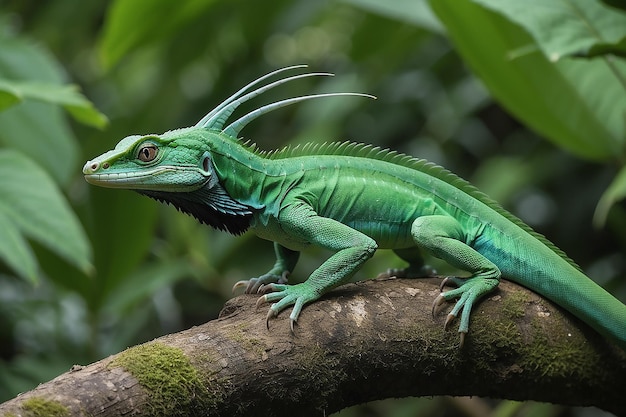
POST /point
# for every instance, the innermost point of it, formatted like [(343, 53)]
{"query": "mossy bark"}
[(365, 341)]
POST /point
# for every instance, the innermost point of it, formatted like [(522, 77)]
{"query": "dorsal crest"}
[(217, 118)]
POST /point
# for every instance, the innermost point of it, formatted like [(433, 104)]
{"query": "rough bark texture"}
[(362, 342)]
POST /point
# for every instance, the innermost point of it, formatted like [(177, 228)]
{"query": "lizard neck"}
[(241, 172)]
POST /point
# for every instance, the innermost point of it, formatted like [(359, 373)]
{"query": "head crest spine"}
[(217, 117)]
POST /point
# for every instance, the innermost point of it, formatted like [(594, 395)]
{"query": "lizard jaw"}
[(152, 180)]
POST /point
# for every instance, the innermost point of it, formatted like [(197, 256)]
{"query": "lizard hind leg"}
[(445, 238)]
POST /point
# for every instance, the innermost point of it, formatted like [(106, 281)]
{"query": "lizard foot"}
[(254, 285), (286, 295), (469, 290)]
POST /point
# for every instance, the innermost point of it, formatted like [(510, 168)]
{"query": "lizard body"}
[(351, 199)]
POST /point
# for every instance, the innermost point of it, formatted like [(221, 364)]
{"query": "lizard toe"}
[(469, 291), (284, 296)]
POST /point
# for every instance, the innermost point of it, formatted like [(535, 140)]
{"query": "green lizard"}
[(351, 199)]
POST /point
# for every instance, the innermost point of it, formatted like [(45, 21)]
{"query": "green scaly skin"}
[(351, 199)]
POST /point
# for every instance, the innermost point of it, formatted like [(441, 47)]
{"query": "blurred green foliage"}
[(86, 272)]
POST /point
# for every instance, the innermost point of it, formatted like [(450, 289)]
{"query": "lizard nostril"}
[(94, 166)]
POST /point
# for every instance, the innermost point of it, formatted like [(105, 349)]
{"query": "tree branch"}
[(361, 342)]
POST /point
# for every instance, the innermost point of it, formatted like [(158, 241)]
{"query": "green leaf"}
[(415, 12), (131, 24), (38, 129), (613, 194), (35, 208), (578, 104), (15, 251), (567, 27), (21, 59), (68, 96)]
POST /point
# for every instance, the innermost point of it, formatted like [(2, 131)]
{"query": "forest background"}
[(528, 103)]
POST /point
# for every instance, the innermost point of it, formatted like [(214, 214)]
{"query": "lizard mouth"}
[(154, 179), (115, 179)]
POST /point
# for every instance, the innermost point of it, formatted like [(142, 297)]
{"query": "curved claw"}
[(444, 282), (462, 339), (468, 291), (449, 318), (254, 288), (251, 285), (283, 296), (452, 281), (292, 322), (270, 314), (436, 303), (267, 288), (239, 284), (260, 301), (254, 285)]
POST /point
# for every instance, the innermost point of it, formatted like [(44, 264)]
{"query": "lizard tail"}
[(571, 289)]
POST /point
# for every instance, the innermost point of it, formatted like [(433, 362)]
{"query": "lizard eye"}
[(147, 152)]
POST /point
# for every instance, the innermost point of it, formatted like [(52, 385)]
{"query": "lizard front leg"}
[(352, 248), (286, 260)]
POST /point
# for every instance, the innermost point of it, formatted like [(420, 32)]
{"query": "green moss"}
[(173, 384), (40, 407), (559, 355), (513, 304), (494, 340), (571, 359)]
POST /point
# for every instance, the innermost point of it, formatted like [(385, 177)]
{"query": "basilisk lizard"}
[(351, 199)]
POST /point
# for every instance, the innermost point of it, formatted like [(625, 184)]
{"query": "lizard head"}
[(174, 168), (176, 161)]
